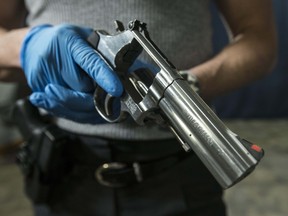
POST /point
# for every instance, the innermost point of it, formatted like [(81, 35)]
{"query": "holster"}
[(42, 157)]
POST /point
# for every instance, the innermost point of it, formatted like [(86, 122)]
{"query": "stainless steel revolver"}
[(167, 99)]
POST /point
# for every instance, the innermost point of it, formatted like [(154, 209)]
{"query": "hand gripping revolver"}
[(167, 99)]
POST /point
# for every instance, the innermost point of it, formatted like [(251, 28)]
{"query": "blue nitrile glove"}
[(67, 103), (59, 64)]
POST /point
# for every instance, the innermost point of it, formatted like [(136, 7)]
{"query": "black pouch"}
[(42, 157)]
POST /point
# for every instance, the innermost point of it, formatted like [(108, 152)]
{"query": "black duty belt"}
[(119, 174), (127, 162), (51, 154)]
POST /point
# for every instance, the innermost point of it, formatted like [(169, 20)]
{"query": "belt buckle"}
[(116, 166)]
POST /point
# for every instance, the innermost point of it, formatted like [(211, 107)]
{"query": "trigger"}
[(108, 105)]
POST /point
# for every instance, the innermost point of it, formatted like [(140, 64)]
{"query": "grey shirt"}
[(181, 29)]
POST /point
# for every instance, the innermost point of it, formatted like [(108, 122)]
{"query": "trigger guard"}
[(104, 108)]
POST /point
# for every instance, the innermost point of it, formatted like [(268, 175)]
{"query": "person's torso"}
[(181, 29)]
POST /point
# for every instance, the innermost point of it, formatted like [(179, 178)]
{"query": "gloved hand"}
[(61, 67)]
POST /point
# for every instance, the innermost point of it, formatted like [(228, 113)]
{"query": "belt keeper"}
[(137, 171)]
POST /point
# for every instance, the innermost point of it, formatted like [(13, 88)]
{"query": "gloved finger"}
[(77, 79), (86, 57), (75, 100), (55, 108), (74, 76)]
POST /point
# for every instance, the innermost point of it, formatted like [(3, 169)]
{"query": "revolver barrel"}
[(228, 157)]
